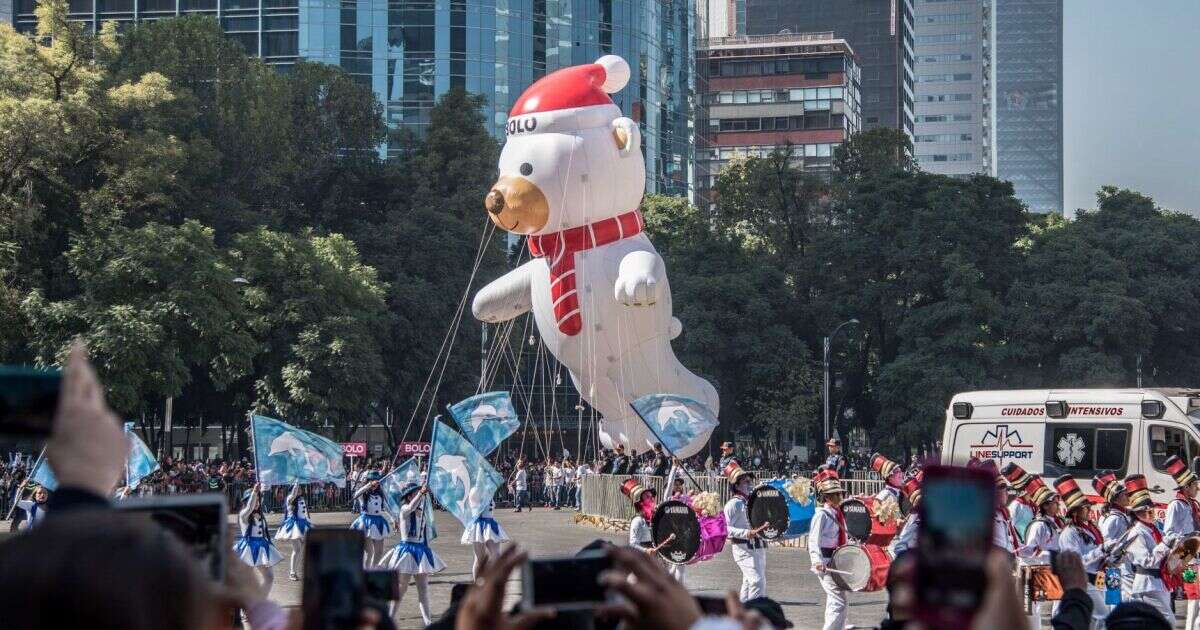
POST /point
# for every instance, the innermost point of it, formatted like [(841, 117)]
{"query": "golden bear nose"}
[(494, 202)]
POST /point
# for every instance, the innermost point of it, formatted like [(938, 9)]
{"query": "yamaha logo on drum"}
[(678, 556), (677, 509)]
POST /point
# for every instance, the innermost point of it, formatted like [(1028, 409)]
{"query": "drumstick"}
[(827, 569)]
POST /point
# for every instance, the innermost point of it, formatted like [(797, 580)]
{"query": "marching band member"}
[(1183, 517), (1081, 536), (34, 507), (907, 538), (643, 500), (1020, 509), (1147, 551), (254, 545), (1041, 538), (484, 535), (371, 519), (295, 526), (412, 557), (749, 552), (826, 533), (1115, 521), (1003, 534), (892, 475)]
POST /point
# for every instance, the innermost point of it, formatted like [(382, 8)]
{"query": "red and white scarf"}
[(559, 249)]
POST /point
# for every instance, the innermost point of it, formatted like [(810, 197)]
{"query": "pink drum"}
[(712, 536)]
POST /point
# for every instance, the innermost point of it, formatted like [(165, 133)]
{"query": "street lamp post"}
[(825, 393)]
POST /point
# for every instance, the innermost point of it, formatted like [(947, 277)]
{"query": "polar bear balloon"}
[(571, 179)]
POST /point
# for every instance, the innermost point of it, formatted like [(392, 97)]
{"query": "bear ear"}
[(627, 135)]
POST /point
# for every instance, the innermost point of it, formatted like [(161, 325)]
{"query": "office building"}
[(879, 31), (798, 92), (412, 51), (953, 86), (1028, 62)]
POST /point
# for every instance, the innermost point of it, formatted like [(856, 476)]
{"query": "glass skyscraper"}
[(411, 51), (1028, 111)]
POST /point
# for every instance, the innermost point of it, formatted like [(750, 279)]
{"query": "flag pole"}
[(254, 448), (663, 444), (12, 508)]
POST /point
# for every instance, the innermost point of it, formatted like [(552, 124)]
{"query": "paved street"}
[(546, 532)]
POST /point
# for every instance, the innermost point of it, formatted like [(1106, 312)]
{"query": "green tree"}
[(318, 314), (155, 303), (734, 310)]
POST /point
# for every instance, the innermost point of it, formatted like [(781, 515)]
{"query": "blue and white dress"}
[(295, 523), (254, 545), (370, 517), (34, 513), (484, 529), (412, 554)]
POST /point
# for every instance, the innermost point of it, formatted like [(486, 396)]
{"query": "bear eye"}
[(526, 169)]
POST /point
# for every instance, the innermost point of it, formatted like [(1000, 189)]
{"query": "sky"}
[(1131, 108)]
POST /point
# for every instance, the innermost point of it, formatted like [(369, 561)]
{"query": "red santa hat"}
[(577, 96)]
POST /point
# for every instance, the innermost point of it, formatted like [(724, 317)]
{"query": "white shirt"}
[(414, 522), (823, 533), (737, 521), (1001, 532), (1113, 526), (639, 532), (551, 475), (583, 470), (568, 475), (1075, 538), (1040, 539), (519, 479), (1143, 553), (1178, 521), (907, 538)]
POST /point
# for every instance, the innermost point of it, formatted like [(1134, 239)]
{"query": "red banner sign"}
[(354, 449), (414, 448)]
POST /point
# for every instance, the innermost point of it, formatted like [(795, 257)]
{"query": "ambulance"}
[(1078, 432)]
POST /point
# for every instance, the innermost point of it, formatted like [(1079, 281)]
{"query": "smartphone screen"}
[(712, 605), (382, 585), (198, 520), (565, 583), (955, 537), (28, 398), (334, 580)]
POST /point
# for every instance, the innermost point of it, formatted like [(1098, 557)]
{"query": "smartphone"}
[(28, 398), (382, 585), (712, 605), (957, 506), (568, 583), (199, 520), (334, 580)]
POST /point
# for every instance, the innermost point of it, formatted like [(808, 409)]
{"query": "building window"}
[(943, 98), (946, 38), (944, 137), (947, 18), (945, 58)]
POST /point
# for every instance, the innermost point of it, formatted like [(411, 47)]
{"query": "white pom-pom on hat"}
[(616, 73)]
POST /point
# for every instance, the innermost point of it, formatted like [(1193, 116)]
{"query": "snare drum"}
[(867, 566)]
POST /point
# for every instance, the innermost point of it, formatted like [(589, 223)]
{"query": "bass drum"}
[(866, 567), (675, 520), (858, 519), (767, 506)]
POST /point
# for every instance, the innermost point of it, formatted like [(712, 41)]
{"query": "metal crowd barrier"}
[(602, 494)]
